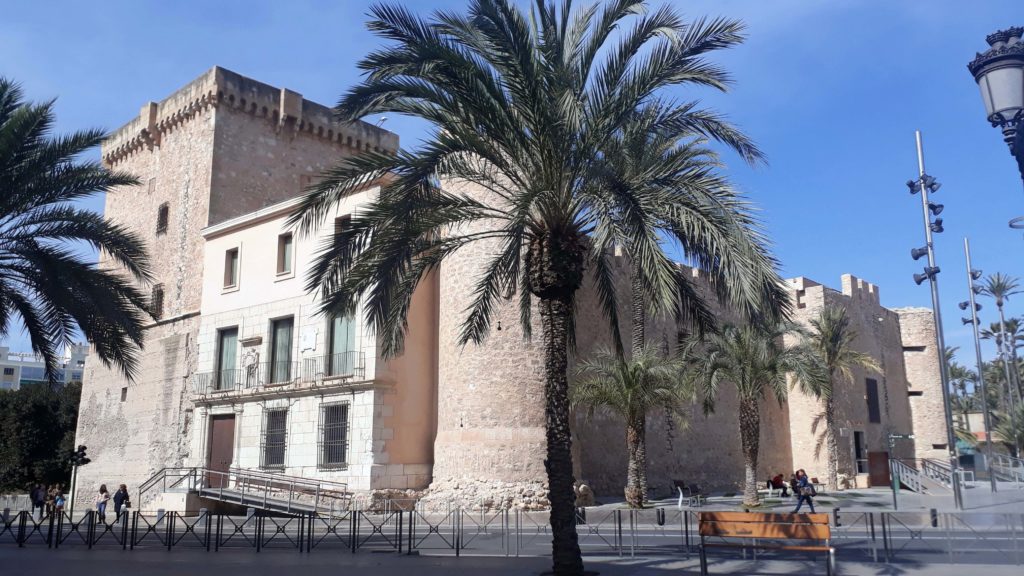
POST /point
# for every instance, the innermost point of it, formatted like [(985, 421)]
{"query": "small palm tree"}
[(959, 377), (832, 339), (755, 361), (522, 106), (630, 389), (46, 282), (1009, 429)]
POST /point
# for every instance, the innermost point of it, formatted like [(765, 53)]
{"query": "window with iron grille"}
[(156, 301), (333, 436), (163, 214), (275, 438)]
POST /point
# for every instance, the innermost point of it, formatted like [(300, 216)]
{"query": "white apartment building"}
[(282, 388), (24, 368)]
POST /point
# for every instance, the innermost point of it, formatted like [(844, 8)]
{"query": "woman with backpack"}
[(804, 490)]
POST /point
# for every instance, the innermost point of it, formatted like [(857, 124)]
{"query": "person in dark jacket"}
[(804, 491), (121, 500), (38, 497)]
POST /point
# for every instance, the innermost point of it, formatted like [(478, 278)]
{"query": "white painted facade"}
[(250, 300)]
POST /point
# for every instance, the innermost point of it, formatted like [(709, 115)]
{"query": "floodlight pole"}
[(981, 375), (940, 339)]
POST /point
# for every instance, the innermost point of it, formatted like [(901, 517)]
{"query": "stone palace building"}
[(240, 372)]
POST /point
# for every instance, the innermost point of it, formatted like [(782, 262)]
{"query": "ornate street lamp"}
[(999, 72)]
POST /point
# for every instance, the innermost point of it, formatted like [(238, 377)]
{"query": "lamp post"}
[(999, 72), (923, 185), (972, 289)]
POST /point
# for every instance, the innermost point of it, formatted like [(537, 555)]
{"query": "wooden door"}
[(878, 469), (222, 448)]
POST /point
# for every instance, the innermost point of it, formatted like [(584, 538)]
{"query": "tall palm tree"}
[(832, 338), (1000, 287), (521, 106), (630, 389), (959, 377), (755, 361), (46, 283), (1009, 429)]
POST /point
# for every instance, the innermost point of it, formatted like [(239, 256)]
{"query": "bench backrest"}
[(765, 525)]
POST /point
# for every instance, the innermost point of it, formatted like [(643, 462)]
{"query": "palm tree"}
[(521, 106), (959, 377), (630, 389), (832, 339), (1000, 287), (46, 283), (754, 360), (1009, 429)]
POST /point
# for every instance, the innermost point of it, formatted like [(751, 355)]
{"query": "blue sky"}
[(832, 91)]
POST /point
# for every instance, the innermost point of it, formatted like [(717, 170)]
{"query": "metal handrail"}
[(938, 471), (907, 475), (1009, 466), (253, 485)]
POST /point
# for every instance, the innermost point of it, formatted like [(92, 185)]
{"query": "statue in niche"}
[(251, 366)]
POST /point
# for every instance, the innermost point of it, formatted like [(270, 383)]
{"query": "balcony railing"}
[(317, 368), (342, 365)]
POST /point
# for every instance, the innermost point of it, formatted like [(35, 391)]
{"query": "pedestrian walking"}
[(38, 498), (58, 501), (101, 502), (804, 490), (121, 500)]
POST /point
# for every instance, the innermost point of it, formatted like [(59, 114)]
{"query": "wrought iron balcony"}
[(217, 381), (350, 364)]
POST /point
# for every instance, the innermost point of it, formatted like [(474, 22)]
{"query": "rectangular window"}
[(333, 435), (860, 452), (231, 268), (342, 346), (872, 397), (281, 349), (163, 216), (226, 374), (341, 223), (8, 371), (284, 254), (275, 438), (156, 301), (124, 394)]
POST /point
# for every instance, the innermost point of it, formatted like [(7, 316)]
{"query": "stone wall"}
[(921, 355)]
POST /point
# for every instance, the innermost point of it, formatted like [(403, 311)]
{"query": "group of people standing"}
[(48, 501), (801, 485)]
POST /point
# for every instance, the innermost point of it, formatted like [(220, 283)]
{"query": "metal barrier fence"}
[(963, 537)]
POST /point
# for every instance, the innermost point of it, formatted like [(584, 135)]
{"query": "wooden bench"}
[(753, 527)]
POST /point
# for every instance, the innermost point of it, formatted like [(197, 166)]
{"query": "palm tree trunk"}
[(636, 478), (750, 440), (639, 314), (832, 442), (640, 427), (566, 557)]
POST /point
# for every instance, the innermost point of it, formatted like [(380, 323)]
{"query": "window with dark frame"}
[(284, 253), (342, 222), (156, 301), (871, 395), (333, 436), (274, 438), (163, 216), (231, 268)]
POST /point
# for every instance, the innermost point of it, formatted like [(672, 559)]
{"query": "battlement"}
[(860, 289), (217, 87)]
